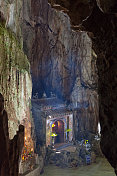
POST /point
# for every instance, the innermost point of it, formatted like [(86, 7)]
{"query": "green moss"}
[(11, 51)]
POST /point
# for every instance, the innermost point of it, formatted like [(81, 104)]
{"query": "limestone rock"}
[(4, 144), (67, 66), (10, 150), (43, 40), (12, 14), (15, 80), (104, 27), (15, 151), (75, 8)]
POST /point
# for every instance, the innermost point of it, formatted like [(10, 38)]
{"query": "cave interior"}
[(58, 84)]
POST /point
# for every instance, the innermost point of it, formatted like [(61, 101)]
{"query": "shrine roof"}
[(61, 111), (49, 102), (52, 106)]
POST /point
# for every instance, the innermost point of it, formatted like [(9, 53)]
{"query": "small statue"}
[(35, 96), (44, 95), (52, 95)]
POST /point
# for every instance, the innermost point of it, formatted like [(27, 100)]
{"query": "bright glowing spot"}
[(23, 158), (68, 130), (25, 137), (53, 125), (50, 116), (99, 128), (58, 152), (86, 141), (53, 134)]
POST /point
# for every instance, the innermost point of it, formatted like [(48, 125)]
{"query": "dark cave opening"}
[(59, 130)]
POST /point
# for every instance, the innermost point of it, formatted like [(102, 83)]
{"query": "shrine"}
[(59, 120)]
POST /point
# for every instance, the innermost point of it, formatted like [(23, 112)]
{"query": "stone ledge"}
[(35, 172)]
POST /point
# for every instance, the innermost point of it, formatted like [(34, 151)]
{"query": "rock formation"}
[(15, 80), (56, 60), (62, 61), (59, 58), (105, 47), (15, 151), (4, 140), (102, 22), (10, 150)]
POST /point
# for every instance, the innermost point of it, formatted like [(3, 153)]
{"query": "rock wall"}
[(15, 80), (74, 73), (73, 9), (40, 133), (107, 6), (86, 112), (61, 61), (104, 43), (60, 57), (10, 150), (40, 126), (38, 46), (15, 151), (11, 12), (70, 56), (102, 22)]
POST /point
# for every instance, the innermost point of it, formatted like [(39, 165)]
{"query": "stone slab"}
[(35, 172)]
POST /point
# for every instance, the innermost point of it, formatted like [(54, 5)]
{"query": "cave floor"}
[(100, 168)]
